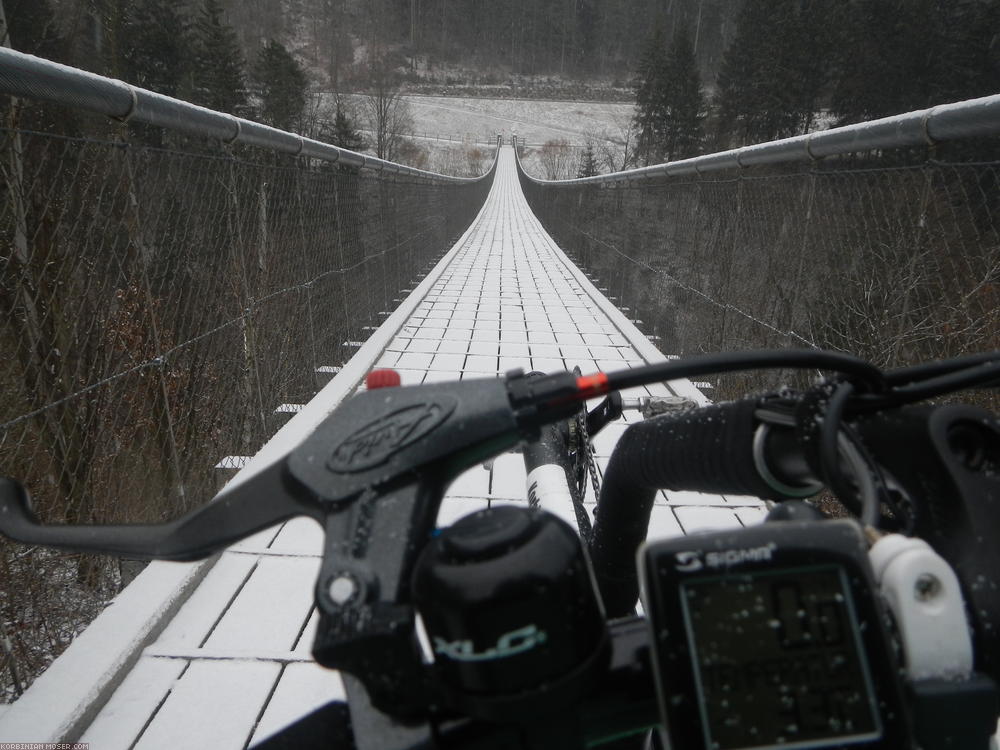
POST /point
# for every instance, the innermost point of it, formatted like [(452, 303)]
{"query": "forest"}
[(794, 66), (704, 74), (571, 38)]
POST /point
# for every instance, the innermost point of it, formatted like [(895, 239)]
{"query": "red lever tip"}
[(382, 379)]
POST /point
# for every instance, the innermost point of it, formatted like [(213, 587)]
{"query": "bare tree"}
[(476, 161), (558, 159), (617, 149), (387, 112), (411, 153)]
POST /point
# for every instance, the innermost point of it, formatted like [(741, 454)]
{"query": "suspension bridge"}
[(188, 294)]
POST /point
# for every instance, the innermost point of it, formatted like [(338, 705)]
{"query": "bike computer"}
[(771, 636)]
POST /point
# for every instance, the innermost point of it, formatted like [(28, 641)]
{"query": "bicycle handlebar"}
[(374, 473), (705, 450), (935, 475)]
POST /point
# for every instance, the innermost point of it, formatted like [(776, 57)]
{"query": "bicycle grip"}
[(705, 450)]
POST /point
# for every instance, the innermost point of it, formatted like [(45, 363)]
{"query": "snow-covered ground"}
[(442, 124), (533, 121)]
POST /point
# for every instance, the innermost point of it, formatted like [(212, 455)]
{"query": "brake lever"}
[(605, 413), (373, 473), (233, 515), (370, 441), (380, 472)]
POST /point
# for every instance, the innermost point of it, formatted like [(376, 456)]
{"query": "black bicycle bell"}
[(508, 601)]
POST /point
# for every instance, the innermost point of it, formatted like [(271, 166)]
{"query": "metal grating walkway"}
[(232, 663)]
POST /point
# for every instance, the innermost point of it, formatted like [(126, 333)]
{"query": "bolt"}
[(342, 588), (926, 587)]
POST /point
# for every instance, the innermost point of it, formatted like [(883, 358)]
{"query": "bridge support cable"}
[(504, 296), (176, 276), (169, 297), (881, 239)]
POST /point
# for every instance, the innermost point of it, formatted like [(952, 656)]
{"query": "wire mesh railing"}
[(890, 255), (162, 307)]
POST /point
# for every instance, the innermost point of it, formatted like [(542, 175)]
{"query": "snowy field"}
[(447, 125), (533, 121)]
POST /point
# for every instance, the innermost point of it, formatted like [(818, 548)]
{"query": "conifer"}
[(682, 107), (281, 85), (345, 134), (588, 162), (218, 80), (648, 84), (157, 47)]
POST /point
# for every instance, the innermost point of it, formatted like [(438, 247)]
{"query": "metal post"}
[(250, 350), (143, 252), (340, 249), (307, 291)]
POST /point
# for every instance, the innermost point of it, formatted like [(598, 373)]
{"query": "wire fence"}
[(161, 309), (466, 138), (167, 301), (894, 257)]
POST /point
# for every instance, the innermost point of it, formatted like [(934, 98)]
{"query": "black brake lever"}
[(233, 515), (373, 473), (380, 471), (369, 442)]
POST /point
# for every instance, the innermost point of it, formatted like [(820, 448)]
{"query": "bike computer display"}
[(771, 637), (777, 657)]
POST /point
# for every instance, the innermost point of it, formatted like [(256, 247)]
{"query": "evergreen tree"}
[(31, 28), (749, 73), (775, 71), (870, 72), (344, 133), (281, 85), (682, 106), (588, 162), (589, 34), (669, 102), (814, 37), (902, 55), (648, 85), (217, 70), (110, 30), (157, 48)]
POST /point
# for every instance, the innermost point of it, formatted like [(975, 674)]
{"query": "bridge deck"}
[(231, 664)]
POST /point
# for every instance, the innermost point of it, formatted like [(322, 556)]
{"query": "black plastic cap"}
[(486, 535), (508, 601)]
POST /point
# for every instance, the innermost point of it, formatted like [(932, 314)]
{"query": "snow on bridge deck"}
[(217, 654)]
